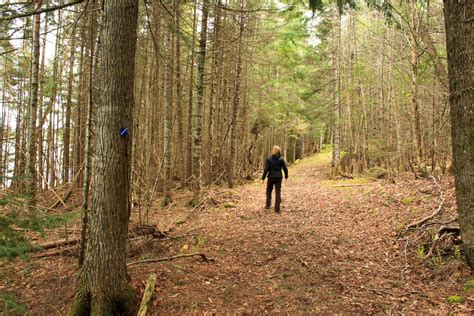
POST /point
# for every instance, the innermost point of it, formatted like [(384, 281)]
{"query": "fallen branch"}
[(143, 231), (438, 210), (304, 263), (203, 256), (349, 185), (54, 244), (147, 295), (69, 191), (57, 252)]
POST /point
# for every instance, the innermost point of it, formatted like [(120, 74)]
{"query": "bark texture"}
[(104, 285), (197, 122), (459, 20), (33, 110)]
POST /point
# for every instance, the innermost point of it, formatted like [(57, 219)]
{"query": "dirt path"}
[(330, 250)]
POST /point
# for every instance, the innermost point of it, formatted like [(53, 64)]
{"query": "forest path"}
[(331, 249)]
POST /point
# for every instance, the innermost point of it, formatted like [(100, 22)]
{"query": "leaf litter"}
[(331, 250)]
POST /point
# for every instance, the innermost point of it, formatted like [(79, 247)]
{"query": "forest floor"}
[(332, 249)]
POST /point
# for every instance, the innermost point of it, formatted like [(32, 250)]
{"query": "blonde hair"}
[(276, 151)]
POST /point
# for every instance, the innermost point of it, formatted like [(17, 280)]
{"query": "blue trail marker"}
[(123, 131)]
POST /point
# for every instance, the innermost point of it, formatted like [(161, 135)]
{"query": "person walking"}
[(273, 167)]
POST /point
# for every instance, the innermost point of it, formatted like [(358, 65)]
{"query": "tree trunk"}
[(337, 90), (87, 151), (414, 85), (104, 285), (41, 103), (67, 126), (33, 109), (201, 63), (236, 104), (167, 115), (189, 149), (459, 21), (179, 105)]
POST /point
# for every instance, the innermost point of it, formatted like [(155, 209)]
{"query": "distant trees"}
[(373, 83)]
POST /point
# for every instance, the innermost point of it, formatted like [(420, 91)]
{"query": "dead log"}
[(202, 255), (69, 250), (436, 212), (54, 244), (147, 295), (143, 231)]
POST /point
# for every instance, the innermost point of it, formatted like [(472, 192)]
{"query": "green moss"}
[(408, 200), (229, 205), (334, 184), (469, 286), (199, 242), (82, 303), (180, 222), (286, 286), (127, 303), (11, 306)]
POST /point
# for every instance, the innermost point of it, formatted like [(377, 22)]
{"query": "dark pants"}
[(277, 183)]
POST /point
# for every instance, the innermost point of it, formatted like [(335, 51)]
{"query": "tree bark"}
[(236, 104), (33, 109), (414, 84), (459, 21), (67, 126), (337, 91), (197, 121), (88, 143), (104, 285), (189, 149)]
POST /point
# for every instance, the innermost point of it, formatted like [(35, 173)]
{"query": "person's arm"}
[(285, 169), (266, 170)]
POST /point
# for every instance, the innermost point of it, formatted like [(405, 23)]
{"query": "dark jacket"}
[(273, 167)]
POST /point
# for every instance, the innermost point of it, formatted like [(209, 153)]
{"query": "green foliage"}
[(385, 7), (12, 240), (455, 299), (421, 253), (11, 306), (342, 5), (469, 286), (287, 98), (408, 200)]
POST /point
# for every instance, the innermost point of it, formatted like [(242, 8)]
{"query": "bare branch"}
[(44, 10)]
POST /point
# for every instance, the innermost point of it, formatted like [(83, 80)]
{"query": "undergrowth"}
[(15, 222)]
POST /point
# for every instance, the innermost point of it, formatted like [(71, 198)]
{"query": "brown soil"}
[(331, 250)]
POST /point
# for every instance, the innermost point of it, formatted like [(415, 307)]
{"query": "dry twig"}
[(438, 210), (202, 255)]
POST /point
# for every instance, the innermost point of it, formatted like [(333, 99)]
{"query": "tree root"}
[(443, 231), (446, 227), (436, 212), (202, 255)]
